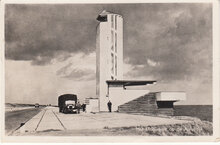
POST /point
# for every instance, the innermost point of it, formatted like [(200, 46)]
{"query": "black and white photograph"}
[(109, 69)]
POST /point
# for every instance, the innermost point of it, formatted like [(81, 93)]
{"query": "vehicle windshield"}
[(70, 102)]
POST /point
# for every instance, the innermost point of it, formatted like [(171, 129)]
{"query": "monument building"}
[(110, 85)]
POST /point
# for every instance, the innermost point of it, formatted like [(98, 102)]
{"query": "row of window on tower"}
[(114, 67), (114, 64), (114, 45), (114, 21), (114, 32)]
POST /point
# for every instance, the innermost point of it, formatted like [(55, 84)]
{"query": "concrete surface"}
[(50, 119), (32, 124)]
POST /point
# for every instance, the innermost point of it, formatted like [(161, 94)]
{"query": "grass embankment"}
[(195, 128)]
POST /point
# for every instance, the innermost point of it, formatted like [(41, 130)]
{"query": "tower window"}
[(115, 42), (112, 69), (112, 39), (112, 21), (115, 22), (115, 65)]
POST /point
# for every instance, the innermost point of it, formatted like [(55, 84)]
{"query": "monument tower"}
[(110, 84), (109, 53)]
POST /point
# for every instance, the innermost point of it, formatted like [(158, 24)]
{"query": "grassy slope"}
[(194, 128), (197, 128)]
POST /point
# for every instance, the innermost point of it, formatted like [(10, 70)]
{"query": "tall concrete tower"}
[(109, 72), (109, 54)]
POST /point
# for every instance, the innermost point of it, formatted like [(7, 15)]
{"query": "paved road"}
[(13, 119), (49, 119)]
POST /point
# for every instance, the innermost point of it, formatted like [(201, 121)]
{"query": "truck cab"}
[(67, 103), (70, 106)]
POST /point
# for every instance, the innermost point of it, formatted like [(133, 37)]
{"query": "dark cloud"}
[(178, 38), (42, 32)]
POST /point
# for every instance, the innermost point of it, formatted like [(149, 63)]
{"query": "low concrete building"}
[(92, 105), (118, 93)]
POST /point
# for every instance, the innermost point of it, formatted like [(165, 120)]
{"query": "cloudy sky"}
[(50, 49)]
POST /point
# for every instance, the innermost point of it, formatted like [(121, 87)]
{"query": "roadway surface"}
[(50, 120)]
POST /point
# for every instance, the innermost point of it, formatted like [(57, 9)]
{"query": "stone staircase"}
[(146, 104)]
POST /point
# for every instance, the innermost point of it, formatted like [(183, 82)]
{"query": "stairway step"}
[(150, 112), (147, 108), (139, 105), (140, 108), (144, 105), (142, 102)]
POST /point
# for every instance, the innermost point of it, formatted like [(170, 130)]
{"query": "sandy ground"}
[(50, 122)]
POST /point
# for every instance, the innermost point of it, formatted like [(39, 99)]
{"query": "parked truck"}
[(67, 103)]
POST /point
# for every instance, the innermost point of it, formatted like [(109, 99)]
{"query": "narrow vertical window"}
[(115, 65), (115, 42), (115, 22), (112, 40), (112, 69), (112, 21)]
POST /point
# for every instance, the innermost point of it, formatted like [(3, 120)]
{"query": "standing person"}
[(109, 106), (78, 107), (84, 107)]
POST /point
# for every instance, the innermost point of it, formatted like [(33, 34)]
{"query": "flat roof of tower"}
[(102, 17), (130, 82)]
